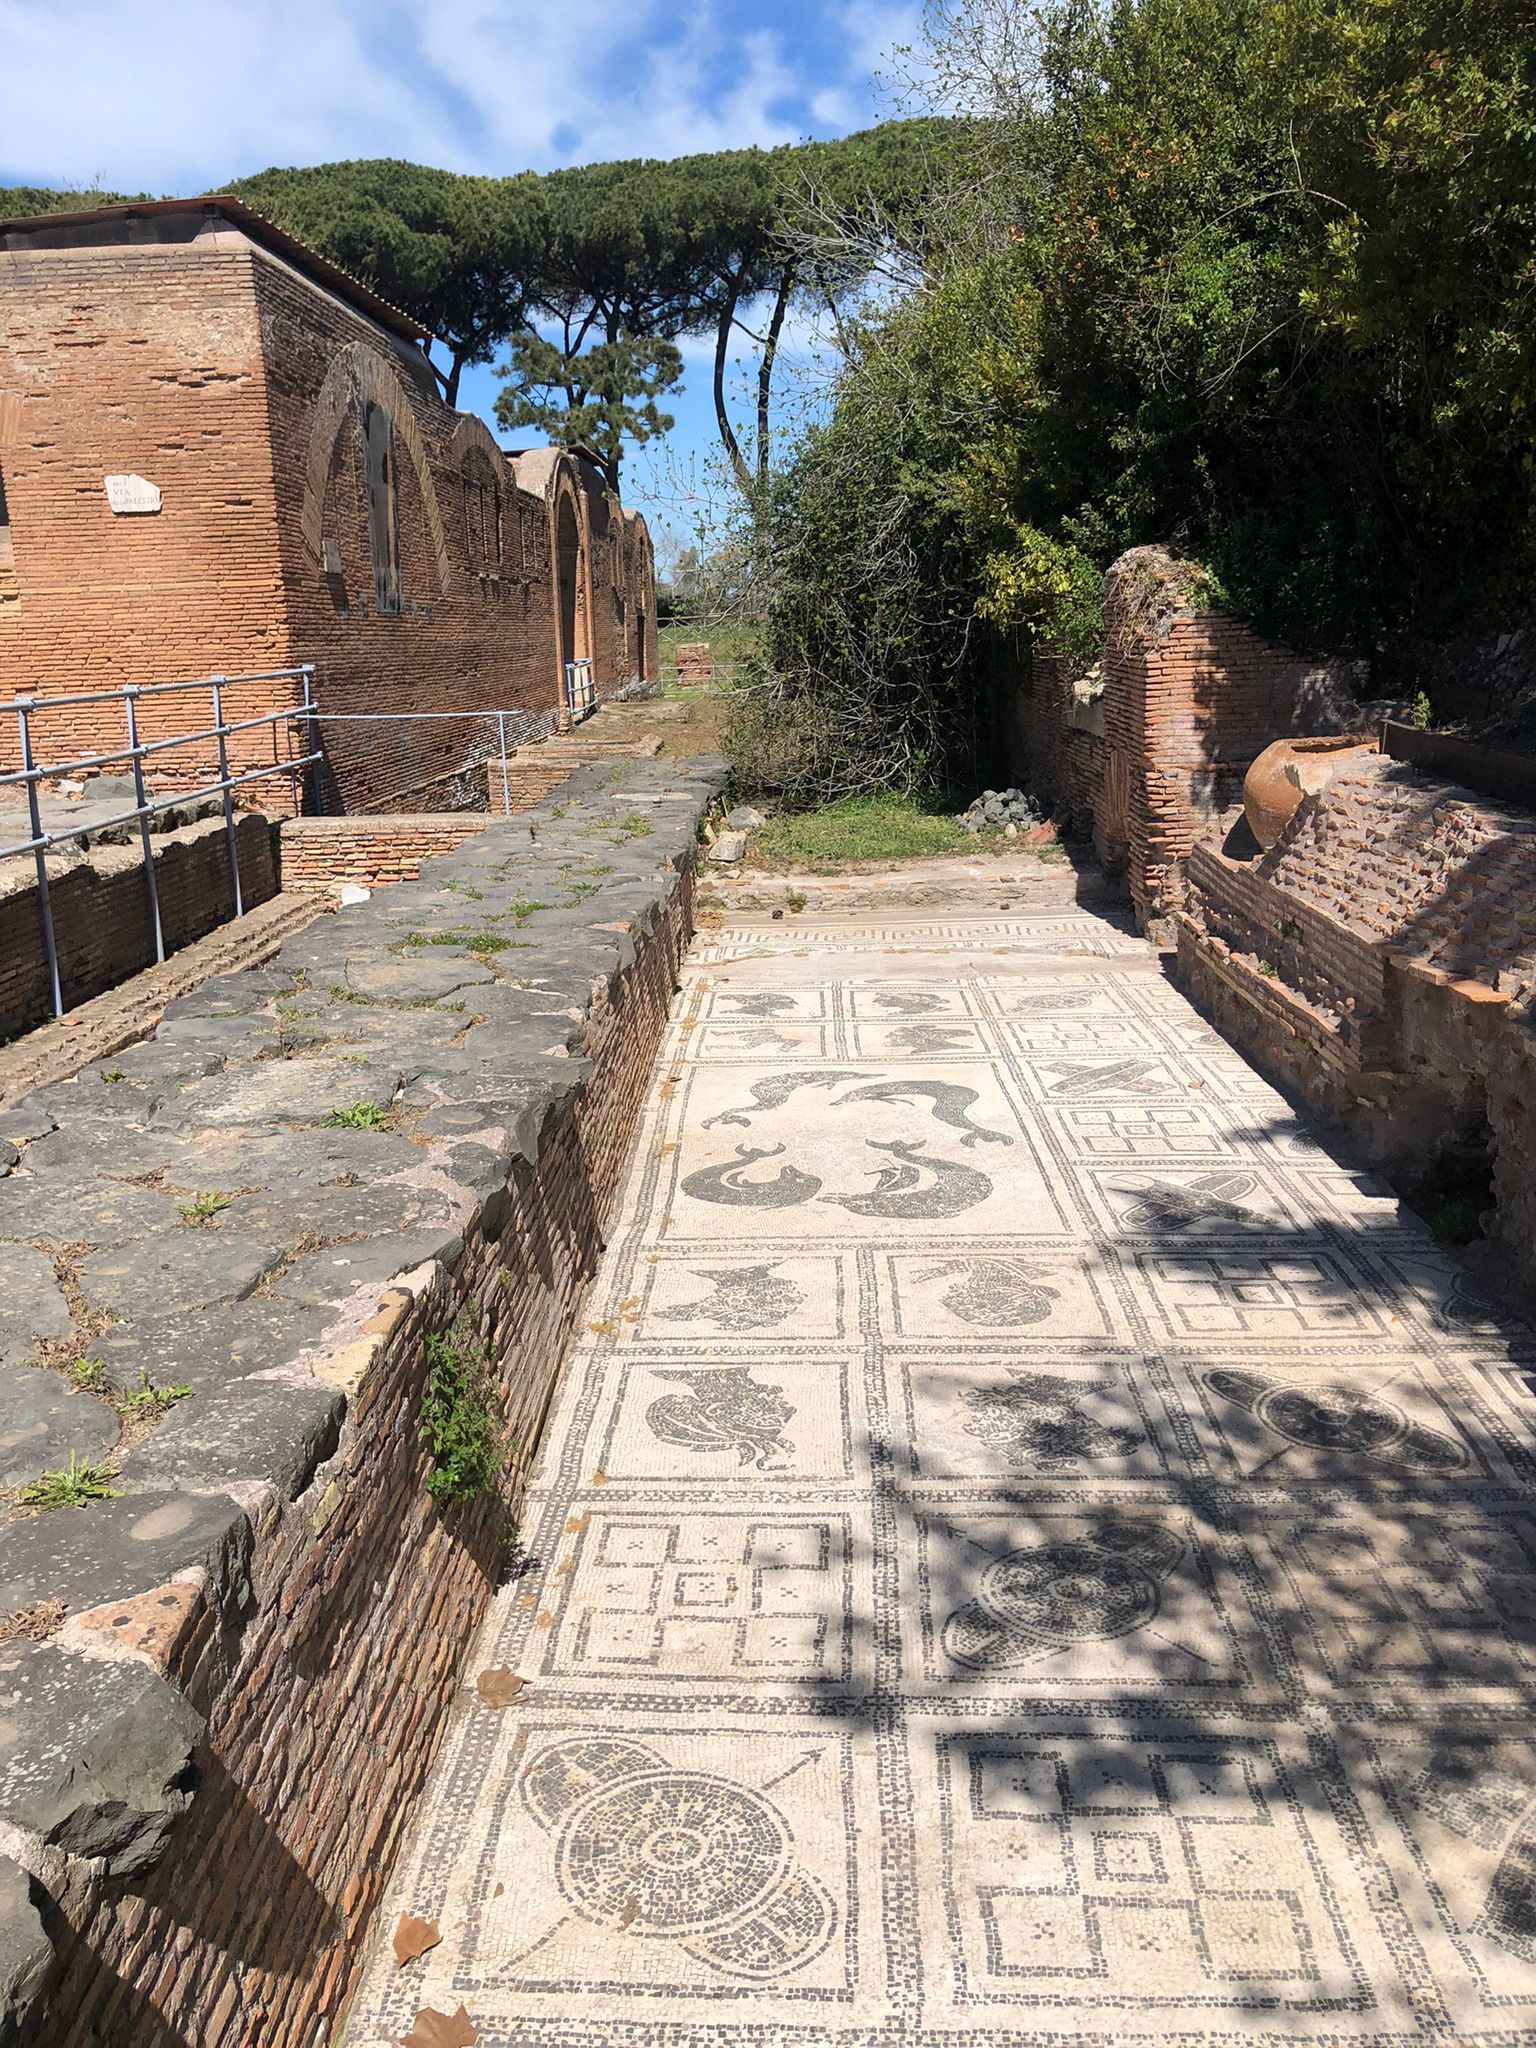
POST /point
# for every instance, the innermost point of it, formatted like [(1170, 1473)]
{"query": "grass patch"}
[(88, 1373), (71, 1488), (864, 828), (358, 1116), (472, 942), (202, 1209), (728, 644)]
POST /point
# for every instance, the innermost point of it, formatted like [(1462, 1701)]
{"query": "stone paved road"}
[(1030, 1549)]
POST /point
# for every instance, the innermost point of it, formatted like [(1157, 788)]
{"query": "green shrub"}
[(460, 1422)]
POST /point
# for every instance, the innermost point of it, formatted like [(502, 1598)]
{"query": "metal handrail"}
[(33, 771)]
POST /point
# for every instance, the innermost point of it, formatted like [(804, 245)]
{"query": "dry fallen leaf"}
[(498, 1891), (599, 1477), (441, 2030), (630, 1914), (499, 1687), (413, 1938)]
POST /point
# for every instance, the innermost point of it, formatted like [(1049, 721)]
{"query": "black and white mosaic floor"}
[(1030, 1549)]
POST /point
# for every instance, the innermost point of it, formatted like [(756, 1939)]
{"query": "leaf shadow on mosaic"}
[(1341, 1549)]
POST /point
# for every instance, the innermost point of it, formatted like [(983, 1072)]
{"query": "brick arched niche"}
[(357, 379), (572, 569), (472, 452)]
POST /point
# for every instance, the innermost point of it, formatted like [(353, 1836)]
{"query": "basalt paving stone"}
[(232, 1162), (9, 1155), (1026, 1551), (32, 1304), (89, 1149), (215, 1344), (25, 1119), (26, 1953), (232, 1032), (332, 1275), (123, 1546), (297, 1091), (94, 1103), (286, 1216), (84, 1211), (154, 1065), (246, 1430), (232, 995), (43, 1420), (95, 1757), (174, 1274), (427, 973)]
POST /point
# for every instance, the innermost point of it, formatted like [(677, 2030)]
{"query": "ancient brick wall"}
[(1191, 698), (473, 628), (366, 1600), (101, 919), (1061, 748), (134, 360), (324, 853), (241, 385), (1380, 960)]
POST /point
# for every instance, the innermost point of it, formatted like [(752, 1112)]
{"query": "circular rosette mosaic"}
[(1344, 1420), (1046, 1596), (643, 1849)]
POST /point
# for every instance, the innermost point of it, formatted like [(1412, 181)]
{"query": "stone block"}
[(266, 1431), (116, 1548), (175, 1273), (43, 1420), (95, 1757), (32, 1305), (335, 1274), (26, 1957)]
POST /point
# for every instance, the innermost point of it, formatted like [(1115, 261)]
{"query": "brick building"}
[(316, 502)]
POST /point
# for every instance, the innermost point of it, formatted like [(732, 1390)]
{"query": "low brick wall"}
[(101, 919), (325, 853), (1061, 744), (1379, 961), (1182, 701), (261, 1677)]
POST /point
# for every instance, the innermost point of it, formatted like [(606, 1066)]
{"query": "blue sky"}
[(167, 97)]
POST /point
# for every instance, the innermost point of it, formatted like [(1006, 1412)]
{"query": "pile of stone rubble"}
[(997, 809)]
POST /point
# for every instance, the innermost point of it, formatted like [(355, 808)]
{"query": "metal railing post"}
[(136, 754), (221, 733), (506, 793), (311, 744), (44, 901)]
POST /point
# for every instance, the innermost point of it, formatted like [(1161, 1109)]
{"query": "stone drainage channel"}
[(1029, 1548)]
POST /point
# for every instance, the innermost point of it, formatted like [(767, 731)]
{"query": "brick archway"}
[(358, 378), (572, 565)]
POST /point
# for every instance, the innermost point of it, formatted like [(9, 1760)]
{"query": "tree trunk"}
[(765, 367), (728, 438)]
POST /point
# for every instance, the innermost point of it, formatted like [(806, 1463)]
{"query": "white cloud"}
[(163, 95)]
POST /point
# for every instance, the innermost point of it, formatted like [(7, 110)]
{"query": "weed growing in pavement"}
[(147, 1399), (460, 1425), (359, 1116), (71, 1488)]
